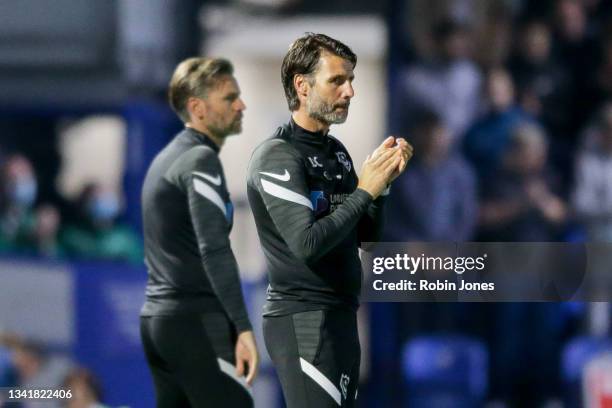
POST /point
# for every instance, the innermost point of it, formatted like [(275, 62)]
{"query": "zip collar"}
[(200, 138), (305, 136)]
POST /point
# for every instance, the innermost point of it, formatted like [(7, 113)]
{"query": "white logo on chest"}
[(282, 177), (314, 161)]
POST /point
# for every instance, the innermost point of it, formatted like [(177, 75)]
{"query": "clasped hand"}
[(384, 165)]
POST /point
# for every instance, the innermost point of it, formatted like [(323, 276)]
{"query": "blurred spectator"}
[(35, 137), (425, 198), (575, 48), (542, 84), (98, 235), (448, 83), (36, 368), (572, 24), (592, 196), (486, 141), (19, 188), (494, 36), (520, 204), (85, 388), (23, 229), (46, 231)]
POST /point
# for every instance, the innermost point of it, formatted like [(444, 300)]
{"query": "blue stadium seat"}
[(576, 354), (445, 371)]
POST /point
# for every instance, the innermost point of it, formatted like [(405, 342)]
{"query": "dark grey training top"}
[(311, 220), (187, 218)]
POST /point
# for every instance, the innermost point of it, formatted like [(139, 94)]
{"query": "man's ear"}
[(196, 107), (302, 87)]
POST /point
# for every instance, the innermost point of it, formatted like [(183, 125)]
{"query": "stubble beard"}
[(325, 112), (234, 128)]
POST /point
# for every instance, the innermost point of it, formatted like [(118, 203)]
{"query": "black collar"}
[(306, 136), (200, 138)]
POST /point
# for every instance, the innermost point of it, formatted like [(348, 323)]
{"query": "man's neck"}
[(305, 121), (203, 129)]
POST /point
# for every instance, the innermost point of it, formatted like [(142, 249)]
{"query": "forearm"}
[(222, 272), (311, 240)]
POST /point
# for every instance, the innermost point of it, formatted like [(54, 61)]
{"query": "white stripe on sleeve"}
[(285, 194), (206, 191)]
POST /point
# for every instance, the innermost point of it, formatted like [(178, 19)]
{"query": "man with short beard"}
[(194, 324), (312, 214)]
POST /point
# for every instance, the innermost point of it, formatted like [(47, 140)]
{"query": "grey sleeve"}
[(277, 172), (203, 181)]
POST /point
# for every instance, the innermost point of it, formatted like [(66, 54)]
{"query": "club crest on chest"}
[(342, 159)]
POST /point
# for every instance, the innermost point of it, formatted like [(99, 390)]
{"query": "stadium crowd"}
[(509, 106), (88, 229), (523, 134)]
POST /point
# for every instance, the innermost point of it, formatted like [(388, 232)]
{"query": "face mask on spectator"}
[(104, 208), (23, 192)]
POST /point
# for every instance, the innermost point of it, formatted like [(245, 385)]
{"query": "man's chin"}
[(339, 118), (234, 130)]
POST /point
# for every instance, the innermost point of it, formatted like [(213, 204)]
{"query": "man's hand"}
[(246, 356), (400, 144), (406, 152), (391, 152), (378, 167)]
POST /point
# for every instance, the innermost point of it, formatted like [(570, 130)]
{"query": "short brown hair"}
[(194, 77), (303, 58)]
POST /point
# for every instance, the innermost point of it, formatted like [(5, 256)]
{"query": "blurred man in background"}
[(542, 84), (592, 196), (19, 189), (426, 196), (487, 139), (194, 322), (85, 389), (448, 83), (23, 228), (520, 204), (46, 232), (97, 234), (312, 213)]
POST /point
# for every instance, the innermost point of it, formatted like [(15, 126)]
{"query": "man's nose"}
[(348, 92), (240, 105)]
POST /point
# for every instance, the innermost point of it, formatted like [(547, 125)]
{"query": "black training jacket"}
[(311, 219), (187, 218)]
